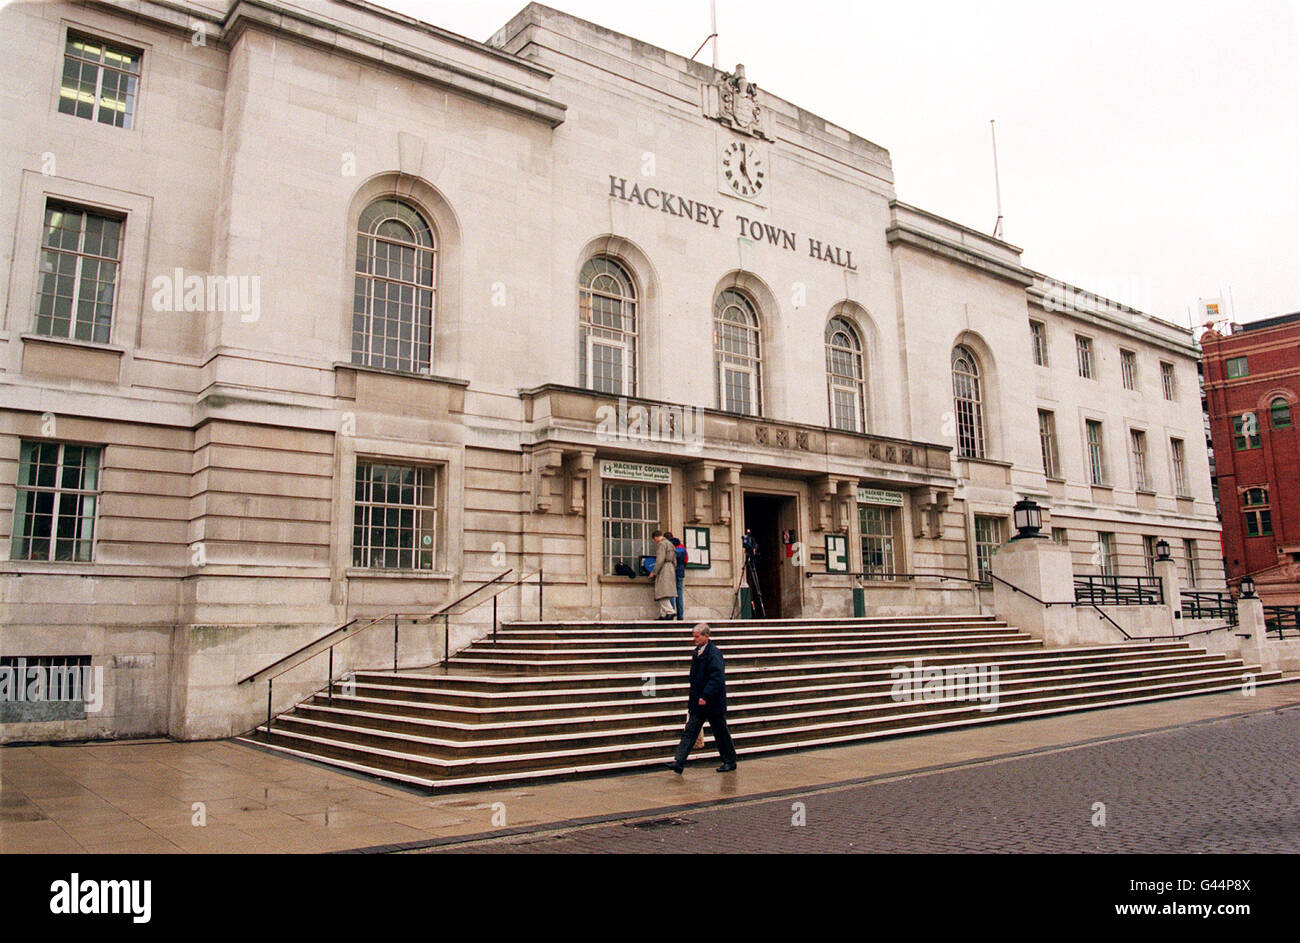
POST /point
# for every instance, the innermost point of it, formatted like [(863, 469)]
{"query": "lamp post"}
[(1162, 550), (1028, 518), (1247, 587)]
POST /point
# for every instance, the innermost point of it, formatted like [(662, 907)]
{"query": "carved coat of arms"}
[(738, 105)]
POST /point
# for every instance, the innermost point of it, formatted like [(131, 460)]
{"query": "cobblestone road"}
[(1228, 786)]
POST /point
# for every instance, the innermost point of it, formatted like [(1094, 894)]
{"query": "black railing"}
[(1281, 620), (1199, 605), (892, 576), (355, 626), (1119, 590)]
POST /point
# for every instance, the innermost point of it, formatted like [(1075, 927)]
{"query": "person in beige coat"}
[(665, 576)]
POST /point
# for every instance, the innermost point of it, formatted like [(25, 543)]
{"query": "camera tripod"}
[(755, 590)]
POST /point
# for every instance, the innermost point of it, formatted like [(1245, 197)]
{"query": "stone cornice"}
[(902, 234), (366, 46)]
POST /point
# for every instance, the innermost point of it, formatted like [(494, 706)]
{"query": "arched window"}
[(736, 353), (1281, 411), (392, 303), (845, 376), (606, 328), (968, 399)]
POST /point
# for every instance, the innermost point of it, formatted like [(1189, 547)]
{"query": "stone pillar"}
[(1042, 568), (1255, 649), (1167, 571)]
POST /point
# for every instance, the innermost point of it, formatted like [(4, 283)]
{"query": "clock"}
[(743, 169)]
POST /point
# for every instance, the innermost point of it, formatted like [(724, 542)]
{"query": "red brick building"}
[(1252, 396)]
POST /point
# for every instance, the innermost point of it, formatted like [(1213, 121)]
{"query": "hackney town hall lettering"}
[(654, 198)]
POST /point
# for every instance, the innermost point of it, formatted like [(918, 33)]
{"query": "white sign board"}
[(634, 471), (876, 496)]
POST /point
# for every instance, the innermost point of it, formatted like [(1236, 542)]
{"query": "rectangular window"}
[(610, 366), (1258, 516), (1107, 562), (395, 517), (54, 508), (1167, 381), (1083, 348), (739, 389), (1038, 337), (1245, 432), (1138, 450), (1193, 568), (1047, 440), (1149, 555), (629, 515), (100, 81), (1096, 454), (1237, 367), (77, 280), (1180, 467), (878, 526), (1128, 363), (1061, 536), (988, 537)]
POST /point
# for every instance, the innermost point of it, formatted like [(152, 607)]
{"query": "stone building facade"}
[(314, 311)]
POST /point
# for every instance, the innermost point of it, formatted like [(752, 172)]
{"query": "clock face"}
[(743, 169)]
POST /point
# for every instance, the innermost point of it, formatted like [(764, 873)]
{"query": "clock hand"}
[(743, 154)]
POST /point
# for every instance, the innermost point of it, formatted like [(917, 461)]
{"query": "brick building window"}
[(1281, 413), (1245, 432), (1237, 367), (1255, 509), (54, 510), (395, 517)]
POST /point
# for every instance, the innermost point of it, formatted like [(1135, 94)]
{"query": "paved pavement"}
[(221, 796), (1227, 786)]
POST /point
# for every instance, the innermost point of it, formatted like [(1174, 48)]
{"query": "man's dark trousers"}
[(717, 727)]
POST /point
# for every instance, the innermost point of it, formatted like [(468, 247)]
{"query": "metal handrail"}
[(446, 616), (1196, 604), (1281, 619), (1025, 592), (1124, 590), (347, 630), (874, 574)]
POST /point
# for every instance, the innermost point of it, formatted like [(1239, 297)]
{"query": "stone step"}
[(434, 773)]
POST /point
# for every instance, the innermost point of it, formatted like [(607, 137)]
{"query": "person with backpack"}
[(664, 576)]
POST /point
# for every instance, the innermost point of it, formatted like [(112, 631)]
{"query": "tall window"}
[(1138, 450), (1167, 380), (1047, 439), (988, 537), (1245, 432), (969, 402), (1128, 368), (1180, 467), (100, 81), (1193, 568), (1096, 453), (1281, 413), (607, 327), (1237, 367), (1038, 342), (392, 305), (1255, 509), (629, 515), (77, 282), (737, 354), (845, 376), (1083, 351), (878, 526), (1107, 561), (54, 509), (395, 517), (1149, 555)]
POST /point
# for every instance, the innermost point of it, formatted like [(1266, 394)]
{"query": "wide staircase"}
[(548, 699)]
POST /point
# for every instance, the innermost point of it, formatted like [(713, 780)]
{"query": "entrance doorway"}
[(765, 517)]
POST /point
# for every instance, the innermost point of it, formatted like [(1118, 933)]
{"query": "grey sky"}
[(1149, 151)]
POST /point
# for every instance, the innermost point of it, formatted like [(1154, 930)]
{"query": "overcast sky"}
[(1149, 151)]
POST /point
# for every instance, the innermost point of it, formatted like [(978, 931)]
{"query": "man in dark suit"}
[(707, 701)]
